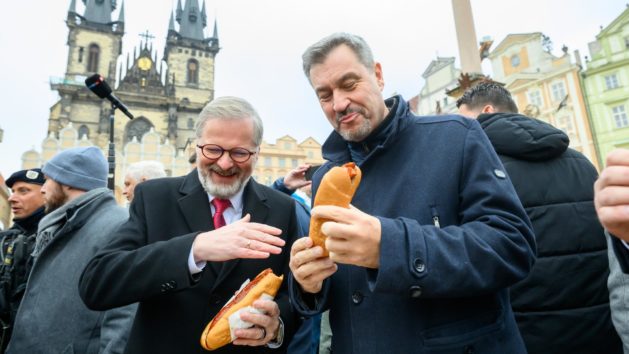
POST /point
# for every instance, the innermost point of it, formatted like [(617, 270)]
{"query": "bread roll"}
[(217, 333), (337, 187)]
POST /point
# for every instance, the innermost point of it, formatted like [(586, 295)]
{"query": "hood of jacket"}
[(522, 137)]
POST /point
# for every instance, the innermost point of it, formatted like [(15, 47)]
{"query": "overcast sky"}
[(262, 42)]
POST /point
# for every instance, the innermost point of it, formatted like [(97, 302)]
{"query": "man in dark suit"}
[(174, 258)]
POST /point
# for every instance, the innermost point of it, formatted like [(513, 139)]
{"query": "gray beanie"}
[(83, 168)]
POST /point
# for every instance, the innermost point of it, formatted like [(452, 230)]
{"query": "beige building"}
[(275, 160), (545, 86), (5, 208)]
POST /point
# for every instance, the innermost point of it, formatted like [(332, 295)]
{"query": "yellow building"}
[(545, 86)]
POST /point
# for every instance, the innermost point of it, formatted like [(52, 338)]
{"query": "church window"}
[(93, 57), (190, 123), (180, 50), (81, 49), (137, 128), (84, 131), (194, 53), (193, 72)]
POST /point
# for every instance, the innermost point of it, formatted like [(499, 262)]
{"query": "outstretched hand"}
[(241, 239)]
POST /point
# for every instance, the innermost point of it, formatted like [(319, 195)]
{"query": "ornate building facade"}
[(165, 94), (545, 86), (606, 83)]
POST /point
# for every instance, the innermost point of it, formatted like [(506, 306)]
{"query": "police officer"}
[(27, 205)]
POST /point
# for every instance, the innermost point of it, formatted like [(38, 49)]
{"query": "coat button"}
[(415, 291), (420, 267), (468, 349), (357, 297)]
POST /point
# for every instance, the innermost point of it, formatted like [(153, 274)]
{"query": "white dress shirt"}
[(231, 214)]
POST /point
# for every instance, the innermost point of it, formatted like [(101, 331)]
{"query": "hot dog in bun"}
[(218, 333), (337, 187)]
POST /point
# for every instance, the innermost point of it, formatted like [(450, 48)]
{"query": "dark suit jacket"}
[(147, 262)]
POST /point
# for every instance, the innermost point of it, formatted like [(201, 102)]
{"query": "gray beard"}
[(220, 191), (358, 134)]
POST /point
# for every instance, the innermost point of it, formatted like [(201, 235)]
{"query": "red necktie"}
[(220, 205)]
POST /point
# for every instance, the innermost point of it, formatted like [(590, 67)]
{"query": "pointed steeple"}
[(72, 6), (121, 14), (179, 13), (191, 22), (98, 11), (171, 23), (203, 15), (215, 33)]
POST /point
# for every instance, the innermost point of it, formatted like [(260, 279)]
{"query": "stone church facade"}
[(165, 95)]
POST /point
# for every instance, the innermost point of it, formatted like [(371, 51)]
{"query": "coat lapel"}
[(255, 204), (195, 207)]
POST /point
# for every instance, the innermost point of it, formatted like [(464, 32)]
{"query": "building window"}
[(611, 81), (559, 91), (190, 123), (310, 155), (287, 145), (81, 49), (294, 163), (565, 124), (137, 128), (282, 162), (535, 98), (515, 60), (84, 131), (620, 116), (193, 72), (92, 58), (626, 42), (267, 161)]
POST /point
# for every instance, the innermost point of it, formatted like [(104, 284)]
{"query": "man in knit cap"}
[(81, 217)]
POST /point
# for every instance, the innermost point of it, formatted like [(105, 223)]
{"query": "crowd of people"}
[(478, 232)]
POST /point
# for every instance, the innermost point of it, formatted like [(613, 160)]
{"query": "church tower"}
[(94, 45), (190, 55)]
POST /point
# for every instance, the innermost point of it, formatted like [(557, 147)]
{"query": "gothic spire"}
[(72, 6), (121, 14), (171, 23), (99, 11), (191, 23), (203, 15), (179, 13), (215, 33)]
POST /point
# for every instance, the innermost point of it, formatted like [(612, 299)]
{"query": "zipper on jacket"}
[(435, 217)]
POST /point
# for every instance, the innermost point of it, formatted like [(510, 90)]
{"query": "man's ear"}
[(379, 76), (488, 109)]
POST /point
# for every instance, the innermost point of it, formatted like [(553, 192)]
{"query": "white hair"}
[(146, 169)]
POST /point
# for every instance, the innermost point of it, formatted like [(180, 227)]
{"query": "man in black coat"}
[(17, 242), (563, 305), (174, 258)]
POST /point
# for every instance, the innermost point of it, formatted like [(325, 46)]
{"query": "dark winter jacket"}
[(454, 238), (563, 305)]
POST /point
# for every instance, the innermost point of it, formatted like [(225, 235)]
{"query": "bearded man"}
[(191, 241), (81, 215)]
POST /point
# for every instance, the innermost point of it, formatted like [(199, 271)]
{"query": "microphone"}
[(97, 84)]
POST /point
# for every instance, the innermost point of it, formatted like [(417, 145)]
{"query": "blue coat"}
[(454, 238)]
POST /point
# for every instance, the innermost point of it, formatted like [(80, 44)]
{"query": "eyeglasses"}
[(214, 152)]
